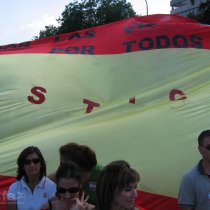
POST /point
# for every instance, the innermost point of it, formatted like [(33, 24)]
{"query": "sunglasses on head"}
[(29, 161), (70, 190)]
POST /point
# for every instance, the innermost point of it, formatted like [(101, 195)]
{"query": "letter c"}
[(174, 92)]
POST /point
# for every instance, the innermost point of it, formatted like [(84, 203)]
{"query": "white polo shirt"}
[(25, 199)]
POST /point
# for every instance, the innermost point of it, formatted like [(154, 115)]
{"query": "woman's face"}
[(68, 189), (32, 165), (126, 197)]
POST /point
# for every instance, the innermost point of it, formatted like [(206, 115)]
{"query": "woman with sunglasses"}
[(68, 195), (32, 187), (116, 187)]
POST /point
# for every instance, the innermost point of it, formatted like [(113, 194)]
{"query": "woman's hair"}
[(113, 178), (22, 157), (68, 170)]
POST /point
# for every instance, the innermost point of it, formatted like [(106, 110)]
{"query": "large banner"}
[(136, 89)]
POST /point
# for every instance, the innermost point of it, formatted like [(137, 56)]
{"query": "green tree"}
[(205, 9), (48, 31), (192, 2), (83, 14), (204, 12)]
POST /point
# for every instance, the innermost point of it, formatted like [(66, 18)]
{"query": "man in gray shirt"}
[(194, 192)]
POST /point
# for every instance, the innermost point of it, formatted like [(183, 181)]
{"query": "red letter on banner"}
[(132, 100), (36, 91), (175, 92), (90, 106)]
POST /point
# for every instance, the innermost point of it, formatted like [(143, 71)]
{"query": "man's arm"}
[(186, 195)]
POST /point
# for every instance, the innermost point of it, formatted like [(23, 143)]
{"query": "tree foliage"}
[(84, 14), (48, 31), (204, 13)]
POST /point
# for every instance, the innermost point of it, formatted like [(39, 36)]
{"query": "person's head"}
[(68, 180), (116, 186), (204, 144), (82, 155), (31, 163)]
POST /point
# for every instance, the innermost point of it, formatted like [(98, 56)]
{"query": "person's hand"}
[(80, 204)]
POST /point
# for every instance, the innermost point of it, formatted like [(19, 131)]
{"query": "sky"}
[(21, 20)]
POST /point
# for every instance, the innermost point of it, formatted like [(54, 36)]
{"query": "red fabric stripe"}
[(153, 201), (133, 34)]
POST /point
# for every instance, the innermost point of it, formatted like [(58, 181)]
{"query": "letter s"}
[(196, 41), (37, 92)]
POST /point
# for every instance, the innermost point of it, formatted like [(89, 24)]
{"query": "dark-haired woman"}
[(68, 195), (32, 187), (116, 187)]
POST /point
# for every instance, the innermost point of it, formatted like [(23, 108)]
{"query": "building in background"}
[(185, 7)]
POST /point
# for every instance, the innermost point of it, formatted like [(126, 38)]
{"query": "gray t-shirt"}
[(194, 191)]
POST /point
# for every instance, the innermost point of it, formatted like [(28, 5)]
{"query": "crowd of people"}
[(81, 184), (78, 184)]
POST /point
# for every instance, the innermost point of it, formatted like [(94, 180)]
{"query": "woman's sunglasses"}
[(29, 161), (70, 190)]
